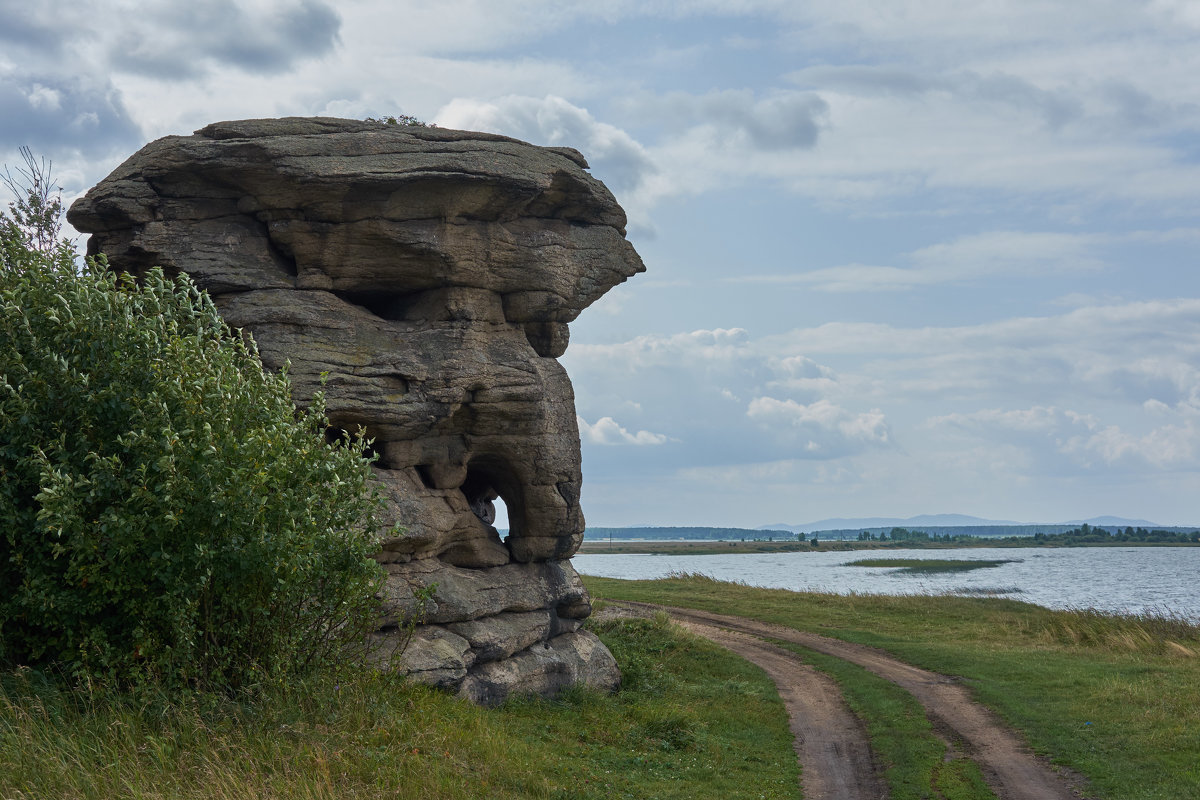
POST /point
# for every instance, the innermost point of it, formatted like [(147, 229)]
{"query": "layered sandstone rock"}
[(430, 276)]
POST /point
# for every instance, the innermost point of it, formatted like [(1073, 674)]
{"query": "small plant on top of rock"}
[(402, 119), (166, 513)]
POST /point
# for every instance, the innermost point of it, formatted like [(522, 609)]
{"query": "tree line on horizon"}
[(1083, 534), (998, 534)]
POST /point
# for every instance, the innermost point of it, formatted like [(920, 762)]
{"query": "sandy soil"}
[(831, 744)]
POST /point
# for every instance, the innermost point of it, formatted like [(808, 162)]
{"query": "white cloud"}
[(1165, 447), (43, 97), (824, 427), (740, 119), (1084, 438), (615, 156), (1018, 99), (1017, 406), (1039, 419), (607, 431), (691, 387), (715, 346)]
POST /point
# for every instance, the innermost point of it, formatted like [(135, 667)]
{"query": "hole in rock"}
[(426, 476), (385, 305), (501, 523), (282, 252), (494, 494)]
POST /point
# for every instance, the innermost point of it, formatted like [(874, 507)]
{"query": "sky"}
[(914, 257)]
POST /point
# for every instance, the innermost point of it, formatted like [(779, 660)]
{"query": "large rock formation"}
[(430, 275)]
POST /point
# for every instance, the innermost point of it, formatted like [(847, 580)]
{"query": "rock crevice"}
[(430, 275)]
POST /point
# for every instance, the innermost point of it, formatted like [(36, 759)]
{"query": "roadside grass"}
[(1114, 698), (916, 763), (919, 565), (692, 720)]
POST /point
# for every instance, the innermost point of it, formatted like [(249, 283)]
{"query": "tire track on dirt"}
[(1012, 771), (834, 753)]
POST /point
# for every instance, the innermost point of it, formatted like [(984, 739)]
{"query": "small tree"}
[(165, 511)]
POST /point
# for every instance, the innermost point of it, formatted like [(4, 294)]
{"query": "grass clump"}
[(691, 721), (1162, 634)]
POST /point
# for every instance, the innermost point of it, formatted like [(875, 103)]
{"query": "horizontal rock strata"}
[(424, 279)]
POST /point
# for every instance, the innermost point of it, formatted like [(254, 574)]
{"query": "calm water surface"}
[(1124, 579)]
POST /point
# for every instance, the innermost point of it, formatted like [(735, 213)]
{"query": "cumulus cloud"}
[(68, 70), (1086, 440), (699, 346), (52, 113), (181, 40), (1055, 107), (742, 118), (615, 156), (1018, 406), (167, 40), (1086, 112), (967, 258), (607, 431), (824, 427), (27, 28), (726, 399), (1039, 419)]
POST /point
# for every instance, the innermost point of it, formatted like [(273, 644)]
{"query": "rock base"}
[(492, 633)]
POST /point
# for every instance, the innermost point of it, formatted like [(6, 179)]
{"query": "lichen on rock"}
[(430, 276)]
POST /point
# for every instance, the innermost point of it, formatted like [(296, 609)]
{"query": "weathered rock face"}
[(430, 274)]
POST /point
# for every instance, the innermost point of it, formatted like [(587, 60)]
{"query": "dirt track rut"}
[(829, 740), (833, 752)]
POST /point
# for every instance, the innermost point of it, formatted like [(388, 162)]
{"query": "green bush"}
[(165, 512)]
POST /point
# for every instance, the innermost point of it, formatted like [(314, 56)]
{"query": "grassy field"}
[(1116, 699), (691, 721)]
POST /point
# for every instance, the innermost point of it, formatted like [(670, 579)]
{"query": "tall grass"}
[(1164, 633), (690, 721)]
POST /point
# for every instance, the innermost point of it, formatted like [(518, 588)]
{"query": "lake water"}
[(1157, 580)]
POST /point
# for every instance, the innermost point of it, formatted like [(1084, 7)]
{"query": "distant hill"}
[(862, 523), (653, 533), (950, 521), (1124, 523)]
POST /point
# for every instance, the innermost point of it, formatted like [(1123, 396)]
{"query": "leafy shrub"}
[(165, 512)]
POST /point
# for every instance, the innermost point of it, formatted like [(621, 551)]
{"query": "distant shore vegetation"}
[(1083, 535), (597, 539)]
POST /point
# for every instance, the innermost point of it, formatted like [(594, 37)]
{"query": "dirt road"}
[(830, 742)]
